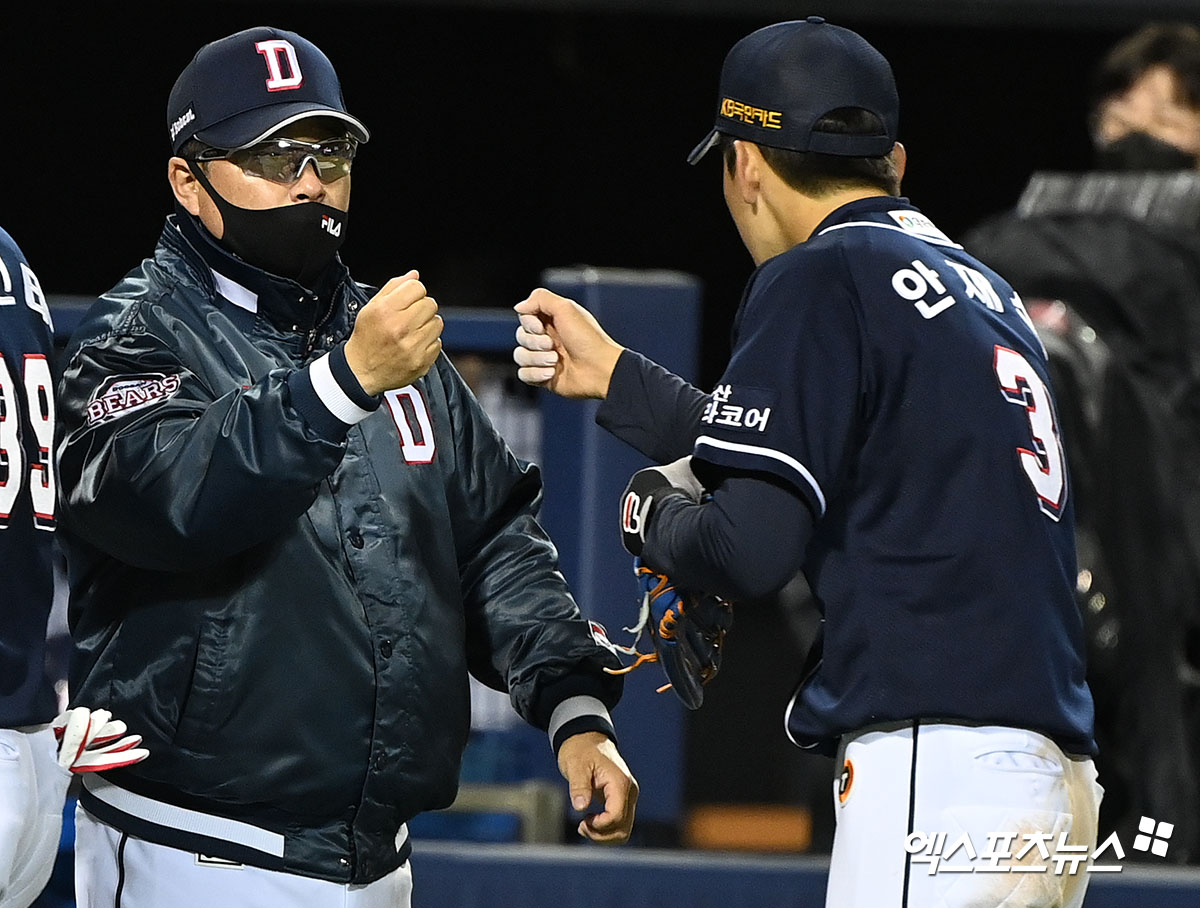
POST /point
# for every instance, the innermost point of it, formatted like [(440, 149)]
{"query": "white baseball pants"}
[(33, 788), (116, 870), (1004, 789)]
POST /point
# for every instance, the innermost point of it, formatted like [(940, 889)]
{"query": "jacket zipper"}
[(311, 342)]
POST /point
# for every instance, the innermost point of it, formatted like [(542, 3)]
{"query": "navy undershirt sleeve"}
[(745, 542), (653, 410)]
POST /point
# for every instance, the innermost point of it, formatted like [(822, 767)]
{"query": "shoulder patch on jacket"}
[(121, 394)]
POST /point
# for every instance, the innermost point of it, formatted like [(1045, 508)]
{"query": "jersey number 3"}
[(35, 397), (1044, 463)]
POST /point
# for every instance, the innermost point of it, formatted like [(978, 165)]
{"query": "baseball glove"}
[(687, 630)]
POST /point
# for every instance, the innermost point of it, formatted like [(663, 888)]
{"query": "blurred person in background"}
[(1146, 101), (1109, 265)]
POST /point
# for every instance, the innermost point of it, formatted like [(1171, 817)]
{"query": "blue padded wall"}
[(656, 313)]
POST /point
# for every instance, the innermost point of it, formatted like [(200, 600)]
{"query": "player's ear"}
[(748, 170), (184, 185), (900, 156)]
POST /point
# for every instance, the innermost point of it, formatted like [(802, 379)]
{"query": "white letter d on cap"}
[(272, 52)]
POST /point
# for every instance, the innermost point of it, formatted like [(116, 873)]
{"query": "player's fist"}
[(561, 346), (397, 337)]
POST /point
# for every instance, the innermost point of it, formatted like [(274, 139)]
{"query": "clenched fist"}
[(561, 346), (397, 336), (593, 768)]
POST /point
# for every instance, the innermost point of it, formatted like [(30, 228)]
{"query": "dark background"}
[(512, 138)]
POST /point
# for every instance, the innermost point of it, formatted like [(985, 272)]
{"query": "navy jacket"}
[(281, 583)]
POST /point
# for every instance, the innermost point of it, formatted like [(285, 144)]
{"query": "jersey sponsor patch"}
[(122, 394), (739, 408), (919, 226)]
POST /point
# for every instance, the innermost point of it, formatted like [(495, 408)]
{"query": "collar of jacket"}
[(283, 302)]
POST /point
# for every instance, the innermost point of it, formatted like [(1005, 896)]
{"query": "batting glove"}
[(93, 741), (646, 489)]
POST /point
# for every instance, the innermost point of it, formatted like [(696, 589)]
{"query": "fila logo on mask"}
[(277, 53), (332, 227)]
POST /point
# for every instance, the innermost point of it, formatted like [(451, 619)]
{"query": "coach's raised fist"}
[(397, 337)]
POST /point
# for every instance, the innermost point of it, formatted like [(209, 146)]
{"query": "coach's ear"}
[(184, 184), (900, 156)]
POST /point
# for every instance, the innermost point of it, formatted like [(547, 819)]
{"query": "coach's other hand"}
[(397, 336), (590, 763), (561, 347)]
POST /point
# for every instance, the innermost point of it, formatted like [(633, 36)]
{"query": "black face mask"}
[(1139, 151), (293, 241)]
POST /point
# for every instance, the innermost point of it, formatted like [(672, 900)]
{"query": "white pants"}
[(1018, 787), (33, 788), (116, 870)]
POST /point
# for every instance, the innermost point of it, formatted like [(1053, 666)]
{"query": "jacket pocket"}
[(203, 709)]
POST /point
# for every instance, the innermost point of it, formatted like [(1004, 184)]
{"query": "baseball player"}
[(292, 532), (34, 771), (885, 423)]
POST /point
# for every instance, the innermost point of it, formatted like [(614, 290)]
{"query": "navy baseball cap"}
[(777, 82), (240, 89)]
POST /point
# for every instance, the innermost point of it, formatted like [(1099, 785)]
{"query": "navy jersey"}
[(898, 384), (27, 491)]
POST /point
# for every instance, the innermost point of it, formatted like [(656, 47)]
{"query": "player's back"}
[(27, 490), (946, 556)]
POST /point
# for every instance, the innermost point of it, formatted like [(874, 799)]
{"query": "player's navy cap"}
[(240, 89), (777, 82)]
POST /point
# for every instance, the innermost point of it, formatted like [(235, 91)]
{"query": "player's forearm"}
[(744, 543), (651, 409)]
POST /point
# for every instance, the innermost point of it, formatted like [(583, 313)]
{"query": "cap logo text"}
[(755, 116), (274, 52), (184, 120)]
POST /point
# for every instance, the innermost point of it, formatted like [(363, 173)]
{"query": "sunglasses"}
[(283, 160)]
